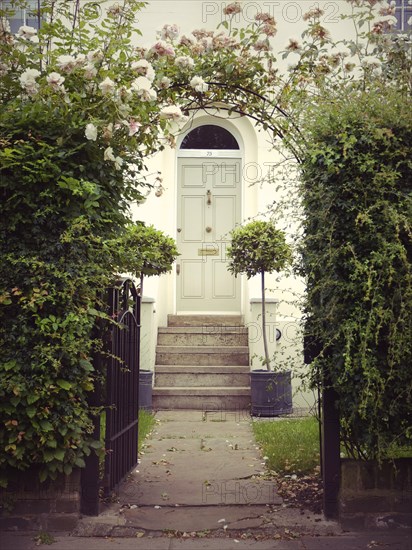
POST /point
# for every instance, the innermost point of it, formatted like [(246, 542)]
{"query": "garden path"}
[(202, 472)]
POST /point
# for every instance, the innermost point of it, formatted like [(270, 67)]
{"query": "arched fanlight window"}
[(209, 136)]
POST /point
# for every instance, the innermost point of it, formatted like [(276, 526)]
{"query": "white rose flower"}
[(26, 32), (94, 56), (132, 125), (184, 62), (140, 66), (91, 132), (118, 161), (4, 69), (142, 87), (144, 68), (55, 80), (390, 20), (198, 84), (90, 71), (162, 48), (80, 60), (150, 73), (107, 86), (4, 26), (66, 63), (172, 112), (108, 154), (28, 77), (140, 84), (149, 95), (164, 83), (169, 32), (371, 61)]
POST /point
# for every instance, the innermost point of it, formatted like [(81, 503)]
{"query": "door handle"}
[(209, 197), (177, 269)]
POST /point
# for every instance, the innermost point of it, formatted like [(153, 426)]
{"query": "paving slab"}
[(197, 475), (191, 461), (349, 541), (166, 504)]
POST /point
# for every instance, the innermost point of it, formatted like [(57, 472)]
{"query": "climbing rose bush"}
[(80, 114)]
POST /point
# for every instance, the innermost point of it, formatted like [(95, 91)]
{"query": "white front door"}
[(208, 209)]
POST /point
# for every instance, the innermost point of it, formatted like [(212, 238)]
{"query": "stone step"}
[(201, 398), (202, 355), (202, 336), (205, 320), (213, 376)]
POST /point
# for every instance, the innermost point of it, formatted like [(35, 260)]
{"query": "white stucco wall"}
[(256, 147), (258, 156)]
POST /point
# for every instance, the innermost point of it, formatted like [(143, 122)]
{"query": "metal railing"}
[(122, 385), (118, 367)]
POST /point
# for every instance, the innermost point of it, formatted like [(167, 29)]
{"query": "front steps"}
[(202, 363)]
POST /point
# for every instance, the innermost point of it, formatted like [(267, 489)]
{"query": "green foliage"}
[(258, 247), (44, 538), (70, 158), (356, 256), (291, 446), (145, 250), (147, 422)]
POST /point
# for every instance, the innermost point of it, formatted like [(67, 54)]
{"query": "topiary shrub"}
[(258, 248)]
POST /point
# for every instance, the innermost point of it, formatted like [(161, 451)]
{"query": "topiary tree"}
[(144, 250), (258, 248)]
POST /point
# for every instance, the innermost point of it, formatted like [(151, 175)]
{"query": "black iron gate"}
[(122, 385), (119, 396)]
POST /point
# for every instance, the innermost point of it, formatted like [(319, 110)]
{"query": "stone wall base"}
[(372, 496), (28, 505)]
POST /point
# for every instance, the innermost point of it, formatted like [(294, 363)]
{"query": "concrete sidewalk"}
[(201, 484), (201, 472), (348, 541)]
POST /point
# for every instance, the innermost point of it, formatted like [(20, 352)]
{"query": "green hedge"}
[(356, 256)]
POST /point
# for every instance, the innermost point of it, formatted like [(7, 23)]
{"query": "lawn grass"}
[(146, 423), (291, 446)]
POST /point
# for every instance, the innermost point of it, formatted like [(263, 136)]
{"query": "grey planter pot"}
[(145, 389), (271, 393)]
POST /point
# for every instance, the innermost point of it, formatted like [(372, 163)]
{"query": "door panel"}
[(192, 279), (208, 209), (224, 216), (223, 286), (193, 218)]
